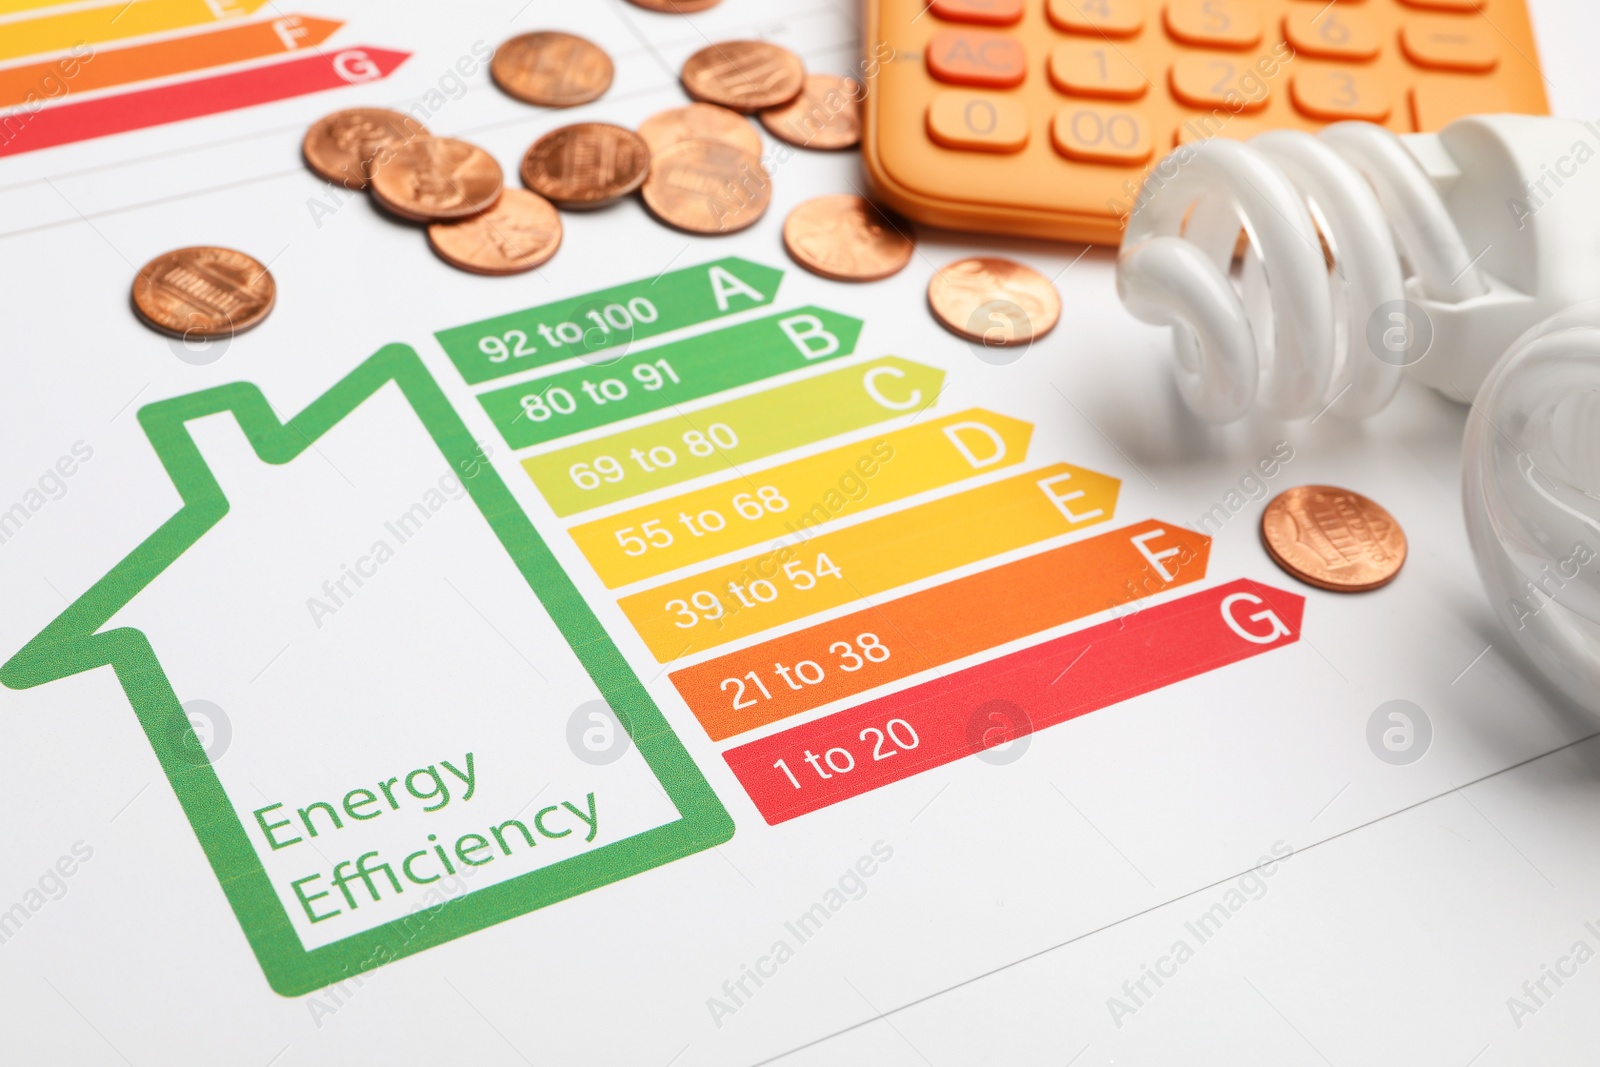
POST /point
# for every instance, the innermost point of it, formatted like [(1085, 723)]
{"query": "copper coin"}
[(342, 147), (519, 233), (846, 238), (204, 292), (826, 114), (588, 165), (746, 76), (700, 122), (1333, 539), (552, 69), (994, 301), (676, 7), (432, 179), (707, 187)]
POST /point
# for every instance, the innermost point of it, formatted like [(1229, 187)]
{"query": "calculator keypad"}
[(1039, 116)]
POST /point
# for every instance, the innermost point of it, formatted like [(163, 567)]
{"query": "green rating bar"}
[(641, 382), (608, 319)]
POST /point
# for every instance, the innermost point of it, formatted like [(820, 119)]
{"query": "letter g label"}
[(1268, 618)]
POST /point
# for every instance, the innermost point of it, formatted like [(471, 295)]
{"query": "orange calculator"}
[(1041, 117)]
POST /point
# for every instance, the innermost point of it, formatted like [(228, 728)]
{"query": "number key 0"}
[(977, 122)]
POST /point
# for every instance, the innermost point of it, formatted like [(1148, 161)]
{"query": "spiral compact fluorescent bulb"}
[(1531, 489), (1369, 255), (1465, 259)]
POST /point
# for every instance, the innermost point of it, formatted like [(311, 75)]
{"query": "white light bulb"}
[(1462, 259)]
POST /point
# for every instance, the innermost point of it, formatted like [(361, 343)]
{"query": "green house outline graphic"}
[(75, 642)]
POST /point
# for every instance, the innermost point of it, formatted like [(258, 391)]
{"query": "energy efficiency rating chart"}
[(91, 61), (725, 581)]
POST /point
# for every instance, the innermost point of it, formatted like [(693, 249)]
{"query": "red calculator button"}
[(977, 57), (1332, 32), (1450, 43), (984, 12), (1100, 18), (1448, 5), (1088, 133), (977, 122), (1087, 68), (1336, 95), (1215, 23), (1213, 81)]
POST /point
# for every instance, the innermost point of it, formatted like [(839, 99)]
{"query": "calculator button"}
[(1091, 134), (977, 123), (1109, 18), (1448, 5), (1447, 43), (984, 12), (977, 57), (1215, 23), (1335, 95), (1085, 68), (1438, 100), (1213, 81), (1206, 127), (1332, 32)]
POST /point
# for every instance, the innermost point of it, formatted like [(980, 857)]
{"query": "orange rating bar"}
[(842, 657), (808, 573)]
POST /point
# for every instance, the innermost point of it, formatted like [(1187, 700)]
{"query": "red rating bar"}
[(28, 131), (866, 747)]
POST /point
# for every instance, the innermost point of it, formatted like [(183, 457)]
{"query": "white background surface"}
[(1397, 942)]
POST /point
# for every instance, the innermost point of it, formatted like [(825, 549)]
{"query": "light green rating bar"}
[(720, 438)]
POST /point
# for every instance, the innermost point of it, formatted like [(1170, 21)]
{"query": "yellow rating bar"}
[(806, 573), (113, 22), (800, 496)]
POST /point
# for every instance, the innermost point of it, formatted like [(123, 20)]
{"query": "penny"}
[(994, 301), (203, 292), (343, 146), (746, 76), (432, 179), (826, 114), (707, 187), (588, 165), (846, 238), (552, 69), (519, 233), (1333, 539), (700, 122), (676, 7)]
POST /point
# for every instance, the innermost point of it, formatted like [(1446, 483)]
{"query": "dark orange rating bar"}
[(845, 656), (161, 59)]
